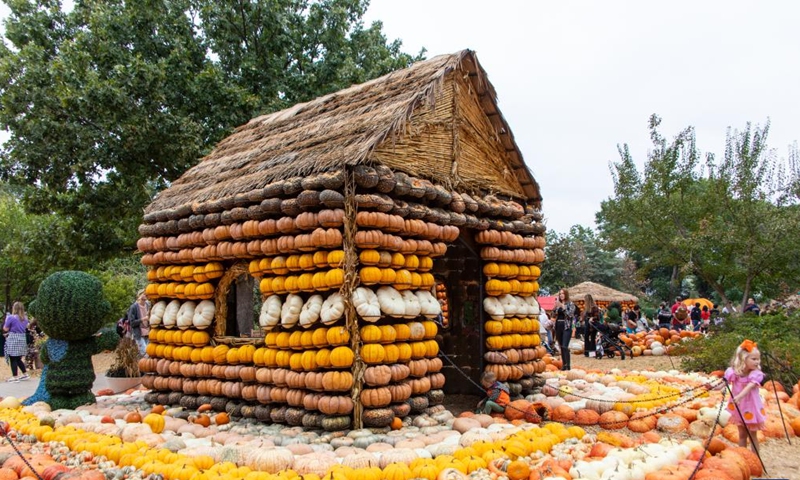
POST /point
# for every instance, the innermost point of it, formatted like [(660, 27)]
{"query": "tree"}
[(723, 226), (108, 103), (579, 256), (26, 249), (289, 51)]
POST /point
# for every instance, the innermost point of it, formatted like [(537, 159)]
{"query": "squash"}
[(367, 305), (391, 302), (311, 310), (290, 311), (171, 313), (270, 314), (157, 313), (332, 309), (186, 315)]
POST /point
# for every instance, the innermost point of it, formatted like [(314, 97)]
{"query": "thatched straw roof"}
[(600, 293), (437, 119)]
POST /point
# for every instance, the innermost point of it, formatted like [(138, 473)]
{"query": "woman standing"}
[(139, 321), (565, 317), (591, 315), (15, 326)]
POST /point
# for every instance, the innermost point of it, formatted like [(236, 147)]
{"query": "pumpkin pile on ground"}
[(536, 438)]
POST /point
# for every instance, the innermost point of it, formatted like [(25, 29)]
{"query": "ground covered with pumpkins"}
[(604, 419)]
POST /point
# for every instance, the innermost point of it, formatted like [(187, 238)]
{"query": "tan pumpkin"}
[(335, 404), (376, 397), (378, 375)]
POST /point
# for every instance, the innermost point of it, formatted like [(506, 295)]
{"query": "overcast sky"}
[(575, 79)]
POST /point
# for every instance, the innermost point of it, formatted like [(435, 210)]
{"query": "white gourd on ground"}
[(494, 308), (270, 315), (412, 306), (185, 315), (332, 309), (309, 315), (171, 313), (203, 314), (157, 313), (429, 306), (391, 302), (366, 303), (290, 312)]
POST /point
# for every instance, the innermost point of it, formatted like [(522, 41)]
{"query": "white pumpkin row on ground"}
[(182, 315), (511, 306)]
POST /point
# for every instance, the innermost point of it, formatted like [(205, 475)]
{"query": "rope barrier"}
[(710, 437), (4, 433), (749, 435)]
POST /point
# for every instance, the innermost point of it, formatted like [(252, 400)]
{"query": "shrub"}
[(777, 335)]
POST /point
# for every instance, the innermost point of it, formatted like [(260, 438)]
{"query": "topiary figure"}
[(70, 309)]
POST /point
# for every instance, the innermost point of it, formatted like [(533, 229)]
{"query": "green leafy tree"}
[(580, 256), (109, 102), (289, 51), (722, 226)]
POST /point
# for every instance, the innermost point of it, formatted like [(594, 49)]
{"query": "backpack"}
[(681, 313), (122, 326)]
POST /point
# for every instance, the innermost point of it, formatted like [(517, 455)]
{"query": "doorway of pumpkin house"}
[(244, 303), (458, 287)]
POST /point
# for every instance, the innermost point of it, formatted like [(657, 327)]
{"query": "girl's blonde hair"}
[(488, 377), (18, 309), (737, 362)]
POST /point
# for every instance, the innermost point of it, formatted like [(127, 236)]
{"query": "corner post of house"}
[(347, 289)]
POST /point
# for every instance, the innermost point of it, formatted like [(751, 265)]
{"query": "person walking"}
[(16, 347), (565, 317), (664, 316), (138, 318), (591, 314)]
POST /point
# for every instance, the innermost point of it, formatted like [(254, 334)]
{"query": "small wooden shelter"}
[(348, 260), (602, 295)]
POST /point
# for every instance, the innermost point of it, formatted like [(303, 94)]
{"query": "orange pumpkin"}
[(222, 418), (397, 423)]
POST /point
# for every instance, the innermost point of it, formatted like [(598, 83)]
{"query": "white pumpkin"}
[(203, 315), (290, 312), (270, 314), (494, 308), (429, 306), (412, 306), (157, 313), (186, 314), (171, 314), (309, 315), (366, 303), (533, 305), (417, 330), (332, 309), (391, 302), (509, 303)]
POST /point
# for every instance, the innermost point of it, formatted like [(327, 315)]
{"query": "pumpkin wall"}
[(512, 326), (349, 304)]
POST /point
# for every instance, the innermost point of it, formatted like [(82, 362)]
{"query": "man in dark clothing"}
[(664, 316), (696, 315), (751, 307)]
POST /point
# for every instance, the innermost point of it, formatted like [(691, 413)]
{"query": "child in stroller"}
[(609, 340)]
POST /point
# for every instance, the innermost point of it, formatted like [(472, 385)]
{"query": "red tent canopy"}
[(546, 302)]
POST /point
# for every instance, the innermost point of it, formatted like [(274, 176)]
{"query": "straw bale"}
[(349, 126)]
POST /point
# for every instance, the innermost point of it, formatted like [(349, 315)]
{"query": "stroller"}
[(609, 341)]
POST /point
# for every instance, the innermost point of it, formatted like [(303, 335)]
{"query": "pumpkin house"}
[(347, 261), (603, 296)]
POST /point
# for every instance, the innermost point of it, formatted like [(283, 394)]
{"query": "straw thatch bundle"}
[(600, 293), (437, 119)]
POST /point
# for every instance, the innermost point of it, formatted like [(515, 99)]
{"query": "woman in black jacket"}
[(565, 312)]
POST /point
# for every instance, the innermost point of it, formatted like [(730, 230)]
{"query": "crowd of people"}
[(566, 322), (22, 337)]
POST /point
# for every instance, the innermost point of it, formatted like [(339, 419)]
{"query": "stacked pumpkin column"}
[(303, 372), (396, 309), (180, 321), (511, 268)]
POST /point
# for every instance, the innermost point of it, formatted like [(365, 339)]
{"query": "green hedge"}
[(778, 338)]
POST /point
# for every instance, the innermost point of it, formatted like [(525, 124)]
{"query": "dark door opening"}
[(460, 272)]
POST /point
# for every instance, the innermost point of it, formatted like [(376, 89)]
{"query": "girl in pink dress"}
[(745, 377)]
